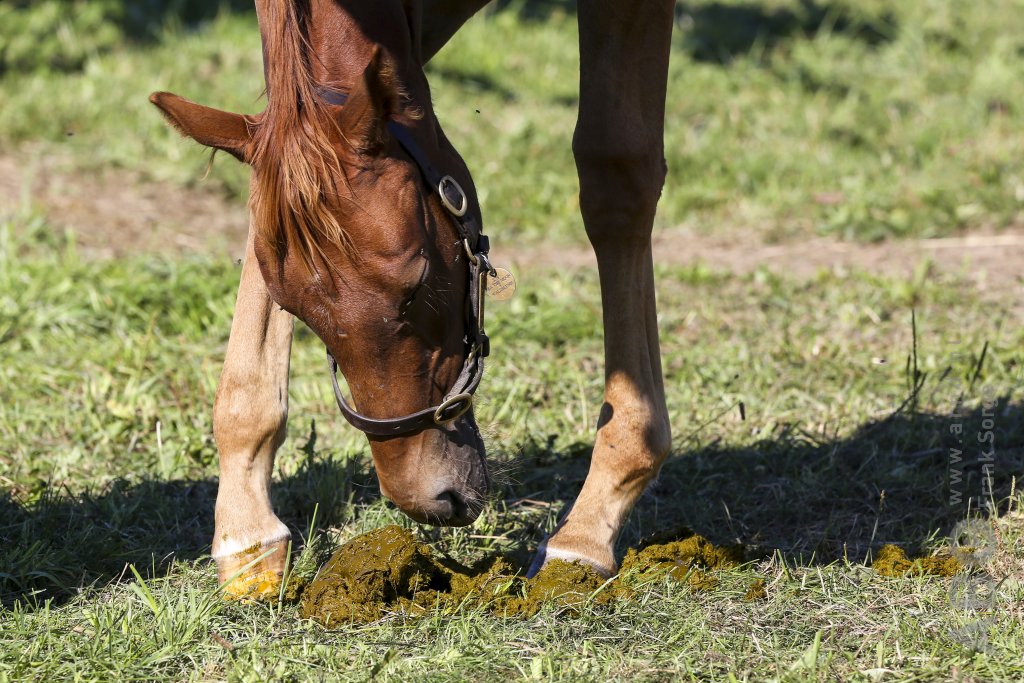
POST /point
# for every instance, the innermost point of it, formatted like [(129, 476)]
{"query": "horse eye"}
[(404, 307), (408, 302)]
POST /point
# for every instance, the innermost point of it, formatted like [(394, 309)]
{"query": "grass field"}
[(813, 417), (859, 119)]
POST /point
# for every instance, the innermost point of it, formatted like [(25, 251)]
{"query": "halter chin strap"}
[(459, 398)]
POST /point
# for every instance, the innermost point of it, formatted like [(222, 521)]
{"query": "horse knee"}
[(620, 185), (245, 419)]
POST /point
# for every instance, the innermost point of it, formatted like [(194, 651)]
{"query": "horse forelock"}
[(297, 170)]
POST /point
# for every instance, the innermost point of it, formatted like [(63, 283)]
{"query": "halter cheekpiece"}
[(459, 398)]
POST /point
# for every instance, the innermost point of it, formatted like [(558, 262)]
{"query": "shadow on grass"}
[(719, 32), (61, 35), (816, 500), (53, 547), (144, 20), (473, 80)]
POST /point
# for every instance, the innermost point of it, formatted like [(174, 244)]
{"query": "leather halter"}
[(459, 398)]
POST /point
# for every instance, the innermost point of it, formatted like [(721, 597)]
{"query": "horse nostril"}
[(454, 505)]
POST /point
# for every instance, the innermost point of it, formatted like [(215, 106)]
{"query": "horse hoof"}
[(255, 573), (545, 554)]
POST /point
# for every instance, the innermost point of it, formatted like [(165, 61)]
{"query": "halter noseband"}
[(459, 398)]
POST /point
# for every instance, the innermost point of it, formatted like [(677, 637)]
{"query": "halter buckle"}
[(448, 183), (463, 402)]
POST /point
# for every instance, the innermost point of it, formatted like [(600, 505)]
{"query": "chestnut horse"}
[(351, 233)]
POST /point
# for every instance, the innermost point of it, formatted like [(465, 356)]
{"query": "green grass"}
[(812, 419), (830, 463), (864, 120)]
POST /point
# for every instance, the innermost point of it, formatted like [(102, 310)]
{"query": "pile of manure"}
[(387, 571), (891, 561)]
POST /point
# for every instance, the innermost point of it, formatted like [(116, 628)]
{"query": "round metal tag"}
[(501, 285)]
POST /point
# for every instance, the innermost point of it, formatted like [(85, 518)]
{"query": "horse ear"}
[(207, 126), (373, 99)]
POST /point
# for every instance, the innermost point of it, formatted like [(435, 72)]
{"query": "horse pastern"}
[(230, 547)]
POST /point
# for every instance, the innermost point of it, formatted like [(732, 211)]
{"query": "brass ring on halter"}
[(466, 401), (459, 210)]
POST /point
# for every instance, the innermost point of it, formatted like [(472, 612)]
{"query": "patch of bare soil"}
[(990, 260), (116, 212)]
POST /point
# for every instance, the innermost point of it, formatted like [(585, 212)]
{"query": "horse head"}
[(352, 239)]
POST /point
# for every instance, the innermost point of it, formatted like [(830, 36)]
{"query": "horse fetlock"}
[(656, 436), (631, 450)]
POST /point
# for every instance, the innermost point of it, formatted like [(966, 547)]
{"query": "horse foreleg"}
[(618, 146), (250, 414)]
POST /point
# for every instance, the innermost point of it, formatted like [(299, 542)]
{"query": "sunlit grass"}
[(861, 120), (106, 458), (813, 419)]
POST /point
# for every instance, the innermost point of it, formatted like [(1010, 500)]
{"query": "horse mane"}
[(297, 168)]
